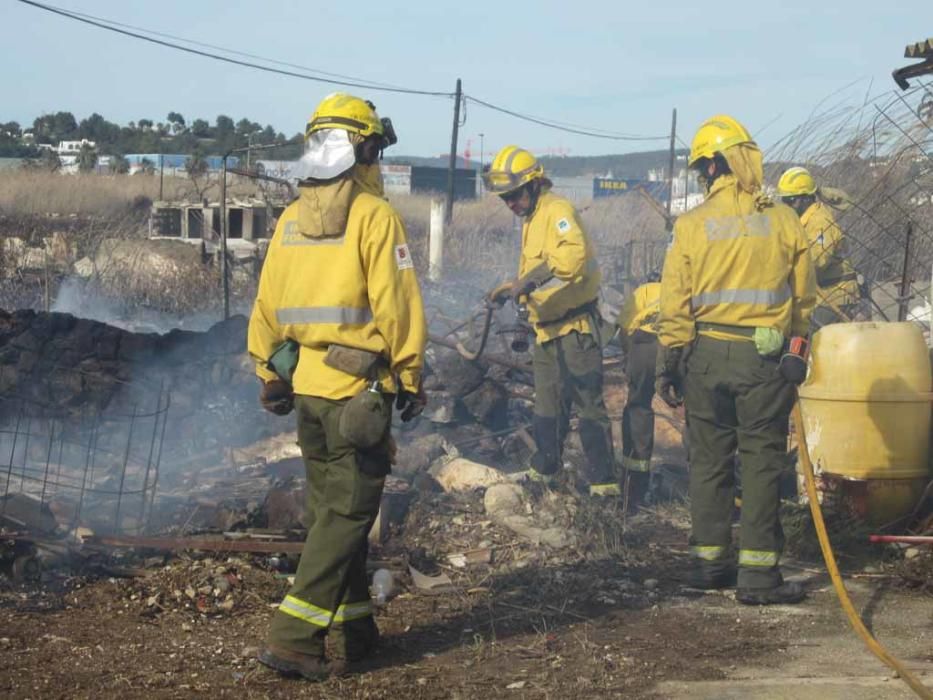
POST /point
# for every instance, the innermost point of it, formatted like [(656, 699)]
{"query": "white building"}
[(73, 148)]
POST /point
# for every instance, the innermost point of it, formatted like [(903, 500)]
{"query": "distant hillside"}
[(624, 165)]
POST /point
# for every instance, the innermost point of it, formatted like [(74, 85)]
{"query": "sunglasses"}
[(513, 196)]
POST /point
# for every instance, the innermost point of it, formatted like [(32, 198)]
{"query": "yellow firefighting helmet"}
[(342, 111), (511, 168), (796, 182), (715, 135)]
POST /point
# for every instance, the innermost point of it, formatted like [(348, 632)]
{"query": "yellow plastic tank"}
[(866, 413)]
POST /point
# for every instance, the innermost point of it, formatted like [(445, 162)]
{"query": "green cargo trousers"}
[(736, 399), (638, 415), (569, 370), (331, 589)]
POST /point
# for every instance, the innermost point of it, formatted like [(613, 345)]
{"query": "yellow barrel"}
[(866, 412)]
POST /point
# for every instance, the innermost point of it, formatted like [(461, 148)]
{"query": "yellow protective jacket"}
[(553, 234), (835, 277), (356, 289), (736, 260), (640, 310)]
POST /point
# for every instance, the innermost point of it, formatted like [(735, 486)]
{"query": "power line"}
[(333, 79), (583, 131), (230, 51), (227, 59)]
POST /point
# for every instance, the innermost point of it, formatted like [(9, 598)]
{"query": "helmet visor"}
[(328, 153), (500, 182)]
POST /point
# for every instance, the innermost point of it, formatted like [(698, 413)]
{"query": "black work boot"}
[(639, 485), (706, 580), (788, 592), (294, 664)]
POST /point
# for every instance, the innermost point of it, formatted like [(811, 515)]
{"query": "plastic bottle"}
[(383, 586)]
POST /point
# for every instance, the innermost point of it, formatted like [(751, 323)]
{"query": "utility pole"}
[(670, 171), (223, 237), (904, 301), (482, 165), (449, 214)]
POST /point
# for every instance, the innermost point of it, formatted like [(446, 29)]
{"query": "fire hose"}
[(830, 558), (471, 356)]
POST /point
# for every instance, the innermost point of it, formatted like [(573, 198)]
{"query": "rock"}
[(504, 499), (457, 375), (505, 504), (651, 584), (461, 474), (488, 404), (911, 553), (84, 268), (441, 408), (419, 454)]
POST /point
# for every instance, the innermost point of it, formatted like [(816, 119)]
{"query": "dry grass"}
[(26, 193), (485, 237), (481, 247)]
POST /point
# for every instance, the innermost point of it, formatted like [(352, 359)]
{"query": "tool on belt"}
[(365, 418)]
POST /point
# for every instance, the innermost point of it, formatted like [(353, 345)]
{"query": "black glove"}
[(498, 296), (669, 384), (411, 404), (277, 397), (793, 364)]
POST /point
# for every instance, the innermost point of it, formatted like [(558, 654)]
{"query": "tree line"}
[(173, 135)]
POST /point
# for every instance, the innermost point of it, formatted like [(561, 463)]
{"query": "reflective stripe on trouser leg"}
[(323, 618), (638, 415), (709, 552), (581, 363), (636, 465), (757, 557)]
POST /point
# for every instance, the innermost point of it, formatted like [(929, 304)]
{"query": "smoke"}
[(84, 299)]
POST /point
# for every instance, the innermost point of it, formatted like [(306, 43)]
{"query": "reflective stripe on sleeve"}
[(742, 296), (757, 557), (323, 314), (708, 552)]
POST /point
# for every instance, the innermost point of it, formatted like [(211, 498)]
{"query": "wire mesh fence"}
[(873, 156), (100, 471)]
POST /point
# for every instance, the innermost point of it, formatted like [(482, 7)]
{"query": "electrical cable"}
[(333, 79), (226, 50), (844, 600), (583, 131), (227, 59)]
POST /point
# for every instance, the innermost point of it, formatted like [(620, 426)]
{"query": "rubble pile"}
[(57, 366), (200, 588)]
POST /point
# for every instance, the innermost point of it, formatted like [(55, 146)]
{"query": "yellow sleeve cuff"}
[(264, 374), (409, 380)]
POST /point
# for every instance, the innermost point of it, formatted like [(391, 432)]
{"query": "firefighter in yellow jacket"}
[(338, 288), (838, 295), (558, 282), (737, 292), (639, 335)]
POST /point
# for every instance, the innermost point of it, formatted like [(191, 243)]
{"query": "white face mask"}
[(328, 153)]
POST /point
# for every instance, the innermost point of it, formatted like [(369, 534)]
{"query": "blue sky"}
[(614, 66)]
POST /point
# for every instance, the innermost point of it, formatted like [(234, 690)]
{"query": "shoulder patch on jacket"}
[(403, 257), (563, 225)]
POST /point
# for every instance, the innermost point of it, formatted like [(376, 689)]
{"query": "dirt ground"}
[(617, 626)]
